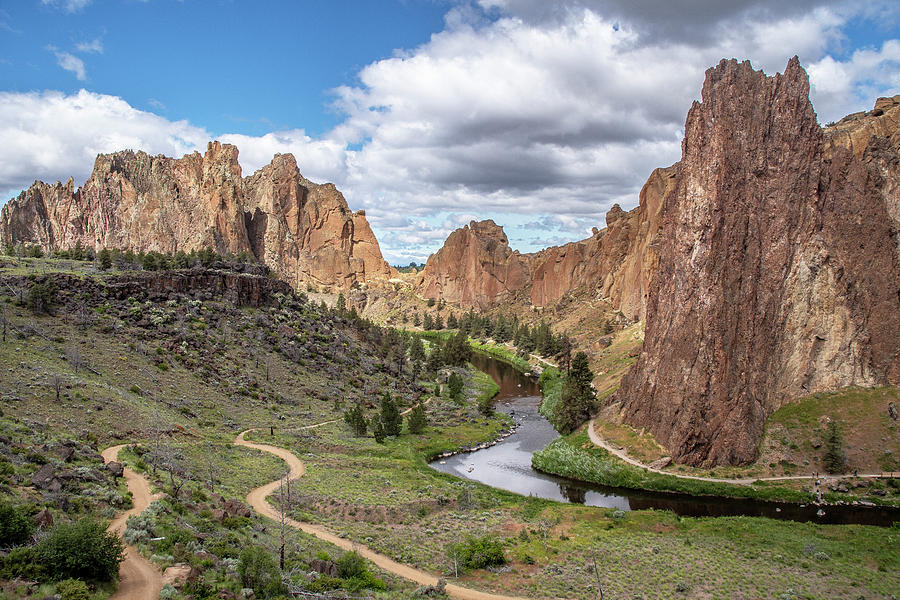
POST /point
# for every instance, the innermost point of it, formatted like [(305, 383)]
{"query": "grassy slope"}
[(386, 495)]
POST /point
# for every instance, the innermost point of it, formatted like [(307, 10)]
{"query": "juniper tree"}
[(417, 420), (834, 448), (390, 416), (356, 420), (576, 403)]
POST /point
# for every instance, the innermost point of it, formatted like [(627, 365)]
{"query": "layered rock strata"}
[(303, 231)]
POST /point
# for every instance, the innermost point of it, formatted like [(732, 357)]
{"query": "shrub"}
[(73, 589), (259, 571), (15, 526), (41, 297), (22, 562), (82, 550), (479, 552)]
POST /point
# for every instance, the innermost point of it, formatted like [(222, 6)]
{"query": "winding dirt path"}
[(138, 578), (257, 499), (597, 440)]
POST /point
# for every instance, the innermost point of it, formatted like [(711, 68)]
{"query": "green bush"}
[(81, 550), (22, 562), (259, 571), (350, 564), (479, 552), (73, 589), (15, 526)]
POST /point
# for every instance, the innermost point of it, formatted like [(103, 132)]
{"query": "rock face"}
[(778, 270), (475, 267), (303, 231)]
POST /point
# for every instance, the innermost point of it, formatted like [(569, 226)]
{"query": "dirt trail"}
[(257, 499), (138, 578), (622, 454)]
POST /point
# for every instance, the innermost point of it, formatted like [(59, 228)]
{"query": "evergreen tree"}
[(576, 403), (390, 416), (435, 360), (416, 349), (417, 420), (416, 320), (455, 384), (378, 430), (428, 323), (105, 259), (452, 323), (341, 304), (438, 322), (457, 350), (356, 420), (834, 448)]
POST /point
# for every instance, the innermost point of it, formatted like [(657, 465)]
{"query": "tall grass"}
[(575, 457)]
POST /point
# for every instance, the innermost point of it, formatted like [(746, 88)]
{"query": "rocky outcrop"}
[(475, 267), (778, 273), (303, 231), (618, 261)]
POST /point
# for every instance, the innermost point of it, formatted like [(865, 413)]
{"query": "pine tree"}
[(417, 420), (416, 349), (378, 430), (455, 384), (576, 403), (428, 323), (452, 323), (390, 416), (834, 449), (356, 420), (105, 259)]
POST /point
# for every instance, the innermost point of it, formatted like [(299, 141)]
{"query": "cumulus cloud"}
[(540, 115), (51, 136)]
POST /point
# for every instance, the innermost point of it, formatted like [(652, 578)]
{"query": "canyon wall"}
[(476, 268), (778, 272), (303, 231)]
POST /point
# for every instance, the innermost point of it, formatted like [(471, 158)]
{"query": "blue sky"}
[(426, 113)]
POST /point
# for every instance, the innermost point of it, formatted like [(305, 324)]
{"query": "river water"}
[(507, 465)]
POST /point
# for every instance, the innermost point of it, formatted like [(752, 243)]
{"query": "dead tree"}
[(73, 355), (284, 500), (211, 467), (57, 382)]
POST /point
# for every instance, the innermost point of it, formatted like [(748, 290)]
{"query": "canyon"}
[(765, 264)]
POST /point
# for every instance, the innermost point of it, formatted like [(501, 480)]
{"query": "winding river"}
[(507, 465)]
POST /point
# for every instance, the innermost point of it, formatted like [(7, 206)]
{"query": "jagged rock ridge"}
[(778, 271), (476, 267), (303, 231)]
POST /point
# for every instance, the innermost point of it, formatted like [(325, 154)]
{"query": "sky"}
[(538, 114)]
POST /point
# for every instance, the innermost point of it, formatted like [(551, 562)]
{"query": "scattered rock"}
[(438, 589), (115, 468), (661, 463), (43, 519), (325, 567), (236, 508), (178, 575)]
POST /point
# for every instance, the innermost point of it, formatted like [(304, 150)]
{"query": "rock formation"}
[(476, 268), (303, 231), (778, 271)]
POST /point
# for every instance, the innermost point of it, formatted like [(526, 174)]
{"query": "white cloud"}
[(95, 46), (540, 113), (70, 63), (69, 6), (51, 136)]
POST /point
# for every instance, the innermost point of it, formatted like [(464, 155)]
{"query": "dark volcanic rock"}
[(778, 273)]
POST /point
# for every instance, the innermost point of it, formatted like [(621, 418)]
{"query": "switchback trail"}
[(138, 578), (257, 499), (597, 440)]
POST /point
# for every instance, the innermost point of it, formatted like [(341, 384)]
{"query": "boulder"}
[(116, 469)]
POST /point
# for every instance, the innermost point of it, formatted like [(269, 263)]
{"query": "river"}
[(507, 465)]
